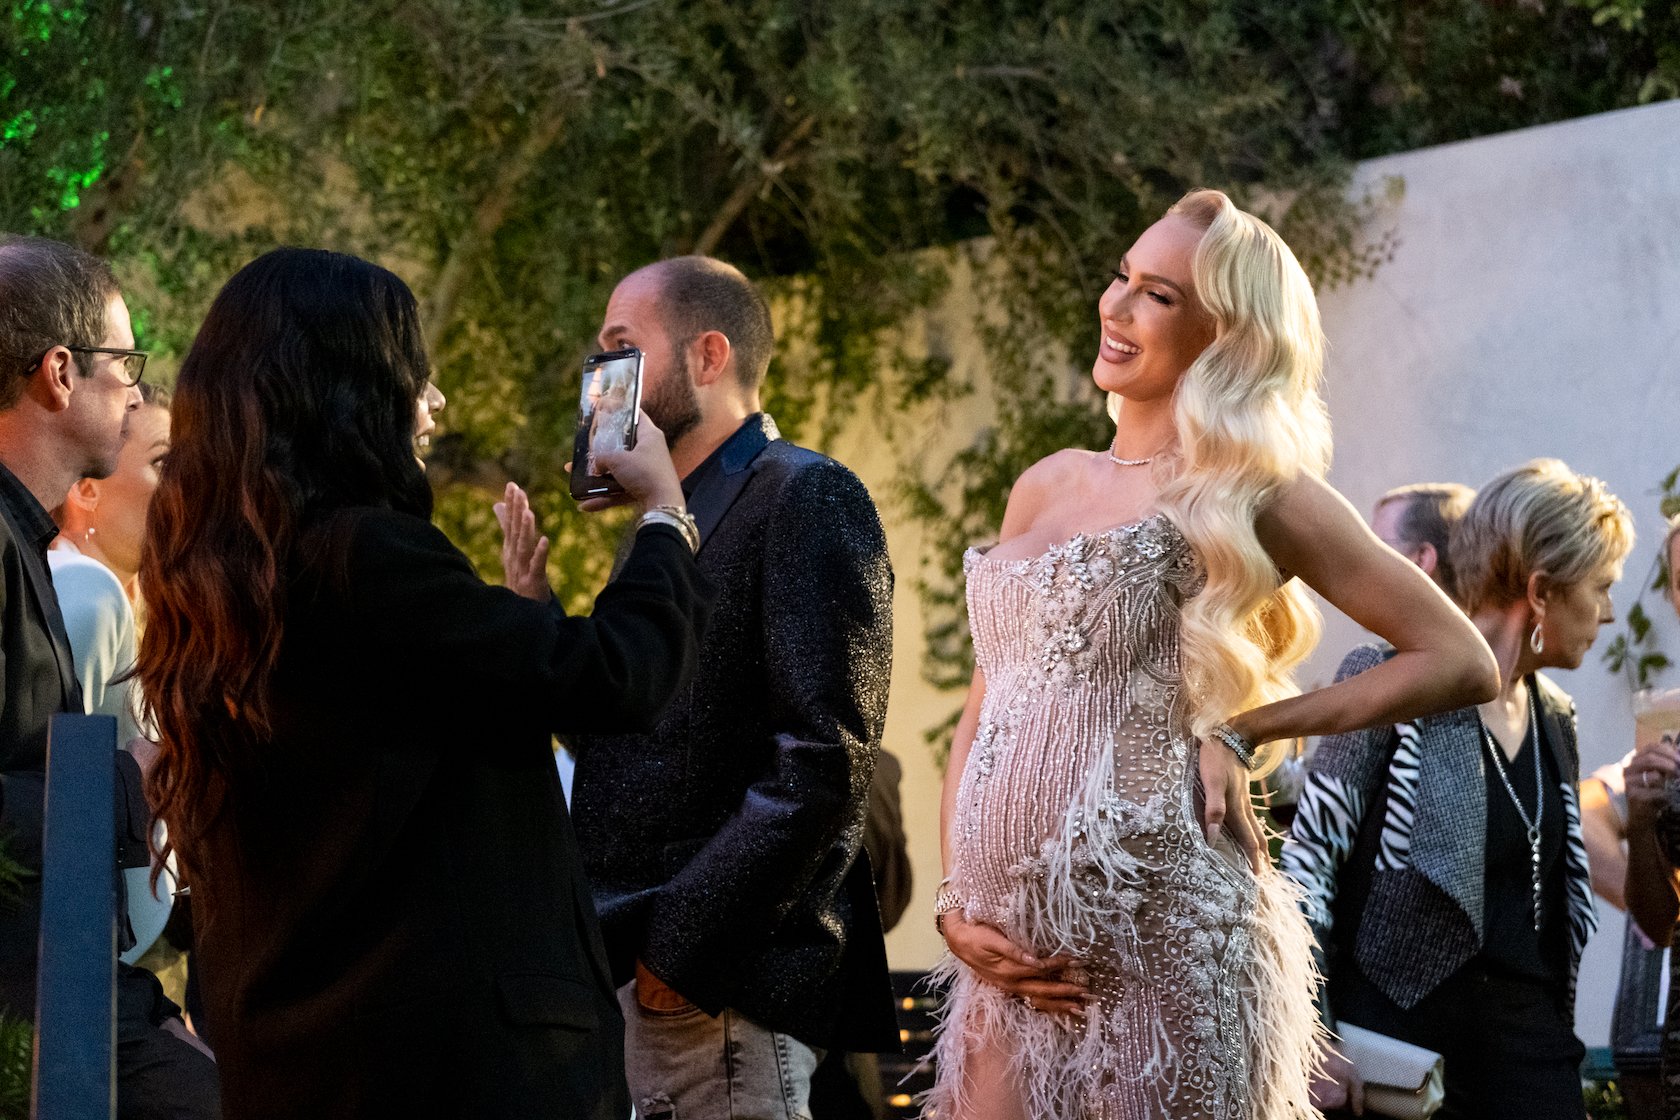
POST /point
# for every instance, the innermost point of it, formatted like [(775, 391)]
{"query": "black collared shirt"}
[(733, 453), (27, 513), (34, 531), (711, 487)]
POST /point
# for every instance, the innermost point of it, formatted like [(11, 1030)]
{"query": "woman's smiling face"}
[(429, 403), (1153, 326)]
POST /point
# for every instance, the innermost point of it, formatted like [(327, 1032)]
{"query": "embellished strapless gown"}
[(1075, 831)]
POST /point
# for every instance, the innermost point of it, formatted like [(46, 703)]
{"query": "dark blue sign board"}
[(75, 1017)]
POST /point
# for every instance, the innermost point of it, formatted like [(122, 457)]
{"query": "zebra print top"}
[(1423, 916)]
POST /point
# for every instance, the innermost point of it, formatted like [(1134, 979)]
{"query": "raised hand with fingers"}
[(1646, 779), (524, 550)]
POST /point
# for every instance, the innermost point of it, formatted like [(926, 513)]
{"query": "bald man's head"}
[(700, 294)]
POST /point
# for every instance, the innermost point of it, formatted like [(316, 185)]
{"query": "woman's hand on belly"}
[(1042, 984)]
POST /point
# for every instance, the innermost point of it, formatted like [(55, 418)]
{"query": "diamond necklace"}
[(1533, 827), (1117, 461)]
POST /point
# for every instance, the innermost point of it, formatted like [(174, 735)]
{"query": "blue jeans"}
[(686, 1065)]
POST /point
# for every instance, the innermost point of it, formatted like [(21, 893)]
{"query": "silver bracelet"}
[(677, 518), (945, 900), (1238, 744)]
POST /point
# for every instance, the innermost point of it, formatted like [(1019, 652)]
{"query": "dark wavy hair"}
[(296, 400)]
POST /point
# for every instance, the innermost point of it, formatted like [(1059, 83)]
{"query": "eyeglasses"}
[(134, 361)]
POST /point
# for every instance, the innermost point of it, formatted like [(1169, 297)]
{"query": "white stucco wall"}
[(1532, 307)]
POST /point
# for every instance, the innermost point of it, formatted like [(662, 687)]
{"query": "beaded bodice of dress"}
[(1074, 829), (1079, 646)]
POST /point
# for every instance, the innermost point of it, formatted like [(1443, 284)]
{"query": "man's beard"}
[(675, 407)]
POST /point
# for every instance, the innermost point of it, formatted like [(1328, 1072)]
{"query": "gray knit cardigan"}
[(1423, 917)]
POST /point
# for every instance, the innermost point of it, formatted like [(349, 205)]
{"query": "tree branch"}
[(768, 170), (491, 212)]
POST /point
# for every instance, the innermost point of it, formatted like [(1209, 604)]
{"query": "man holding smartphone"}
[(739, 917)]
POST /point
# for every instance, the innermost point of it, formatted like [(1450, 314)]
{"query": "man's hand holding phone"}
[(645, 472)]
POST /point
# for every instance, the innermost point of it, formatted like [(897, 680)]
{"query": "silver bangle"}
[(677, 518), (1238, 743), (945, 900)]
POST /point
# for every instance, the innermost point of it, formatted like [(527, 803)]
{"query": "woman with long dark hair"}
[(355, 756)]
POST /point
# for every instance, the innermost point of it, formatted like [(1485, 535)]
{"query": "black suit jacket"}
[(397, 923), (724, 845), (37, 679)]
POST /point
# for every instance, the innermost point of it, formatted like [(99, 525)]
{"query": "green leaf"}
[(17, 1044), (1616, 653)]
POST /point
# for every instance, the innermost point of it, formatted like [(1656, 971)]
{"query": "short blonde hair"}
[(1539, 517)]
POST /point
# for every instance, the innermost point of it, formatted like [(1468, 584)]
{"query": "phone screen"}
[(607, 407)]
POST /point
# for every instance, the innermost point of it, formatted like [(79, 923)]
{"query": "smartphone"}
[(607, 409)]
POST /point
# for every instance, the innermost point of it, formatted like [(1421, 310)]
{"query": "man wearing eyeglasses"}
[(69, 377)]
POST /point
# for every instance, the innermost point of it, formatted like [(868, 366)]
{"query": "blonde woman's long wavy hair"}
[(1249, 418)]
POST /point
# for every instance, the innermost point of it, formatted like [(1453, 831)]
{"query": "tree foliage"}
[(17, 1041), (512, 159)]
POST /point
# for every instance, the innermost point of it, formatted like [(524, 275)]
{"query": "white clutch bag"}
[(1401, 1080)]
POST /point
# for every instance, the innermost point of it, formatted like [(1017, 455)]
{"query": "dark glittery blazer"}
[(724, 846)]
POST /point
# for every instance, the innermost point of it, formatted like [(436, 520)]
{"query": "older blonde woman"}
[(1117, 948), (1442, 857)]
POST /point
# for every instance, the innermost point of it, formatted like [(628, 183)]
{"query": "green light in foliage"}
[(161, 80), (20, 127), (142, 324), (72, 183), (34, 19)]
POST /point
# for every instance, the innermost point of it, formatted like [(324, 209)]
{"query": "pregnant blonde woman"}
[(1118, 948)]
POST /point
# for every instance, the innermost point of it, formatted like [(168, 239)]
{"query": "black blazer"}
[(397, 924), (37, 679), (724, 845)]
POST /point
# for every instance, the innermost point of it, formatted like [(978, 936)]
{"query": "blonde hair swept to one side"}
[(1250, 419), (1539, 517)]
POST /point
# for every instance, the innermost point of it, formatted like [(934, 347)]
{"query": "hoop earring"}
[(1537, 640)]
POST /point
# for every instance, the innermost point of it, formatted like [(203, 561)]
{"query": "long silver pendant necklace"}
[(1533, 826)]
